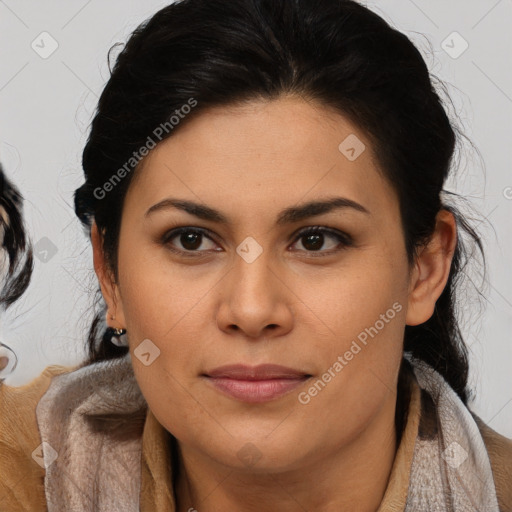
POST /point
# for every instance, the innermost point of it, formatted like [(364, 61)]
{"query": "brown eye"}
[(313, 239), (190, 240)]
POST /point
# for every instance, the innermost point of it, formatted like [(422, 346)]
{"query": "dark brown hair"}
[(15, 244)]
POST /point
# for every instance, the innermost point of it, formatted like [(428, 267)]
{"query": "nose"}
[(254, 300)]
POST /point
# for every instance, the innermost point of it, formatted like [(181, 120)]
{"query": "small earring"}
[(118, 337)]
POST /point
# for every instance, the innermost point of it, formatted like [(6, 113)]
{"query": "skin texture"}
[(288, 306)]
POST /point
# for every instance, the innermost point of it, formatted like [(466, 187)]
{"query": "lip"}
[(255, 383), (260, 372)]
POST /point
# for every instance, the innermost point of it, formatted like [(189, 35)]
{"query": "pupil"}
[(317, 242), (190, 241)]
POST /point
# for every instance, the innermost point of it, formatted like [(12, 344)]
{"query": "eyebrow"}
[(286, 216)]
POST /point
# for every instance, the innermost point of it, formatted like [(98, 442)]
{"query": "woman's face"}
[(250, 290)]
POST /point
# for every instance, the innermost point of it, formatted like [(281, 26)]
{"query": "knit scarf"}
[(91, 422), (451, 470)]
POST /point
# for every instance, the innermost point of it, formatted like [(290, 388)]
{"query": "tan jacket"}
[(22, 477)]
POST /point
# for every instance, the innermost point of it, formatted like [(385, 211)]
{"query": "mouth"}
[(255, 384)]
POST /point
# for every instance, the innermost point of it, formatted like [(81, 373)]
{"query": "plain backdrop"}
[(53, 57)]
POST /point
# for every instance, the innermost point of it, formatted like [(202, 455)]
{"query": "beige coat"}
[(22, 475)]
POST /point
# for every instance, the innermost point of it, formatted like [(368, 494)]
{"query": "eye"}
[(189, 238), (314, 238)]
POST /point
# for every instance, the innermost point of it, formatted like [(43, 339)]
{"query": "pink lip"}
[(256, 384)]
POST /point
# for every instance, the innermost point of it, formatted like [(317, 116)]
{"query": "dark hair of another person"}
[(337, 52), (15, 246)]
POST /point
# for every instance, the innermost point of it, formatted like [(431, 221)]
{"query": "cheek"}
[(168, 305), (361, 317), (368, 290), (358, 360), (158, 295)]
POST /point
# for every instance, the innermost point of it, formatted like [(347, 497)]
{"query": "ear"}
[(432, 269), (109, 288)]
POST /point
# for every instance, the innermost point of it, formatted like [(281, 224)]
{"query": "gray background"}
[(47, 104)]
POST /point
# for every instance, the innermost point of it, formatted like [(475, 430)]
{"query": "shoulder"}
[(22, 481), (499, 449)]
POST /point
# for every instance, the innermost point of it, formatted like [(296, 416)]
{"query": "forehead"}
[(260, 155)]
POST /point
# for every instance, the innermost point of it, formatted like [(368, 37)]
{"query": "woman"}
[(263, 194)]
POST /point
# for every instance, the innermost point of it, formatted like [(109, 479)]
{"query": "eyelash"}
[(341, 237)]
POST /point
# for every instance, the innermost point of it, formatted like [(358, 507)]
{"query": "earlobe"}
[(433, 264)]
